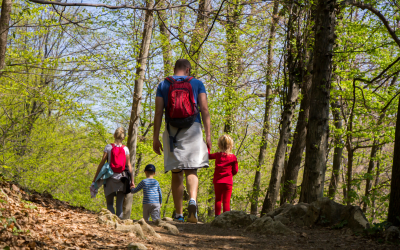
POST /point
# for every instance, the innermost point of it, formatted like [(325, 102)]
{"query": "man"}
[(188, 152)]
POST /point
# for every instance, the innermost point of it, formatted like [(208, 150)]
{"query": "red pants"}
[(223, 194)]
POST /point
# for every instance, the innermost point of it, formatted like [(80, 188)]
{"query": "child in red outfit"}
[(226, 166)]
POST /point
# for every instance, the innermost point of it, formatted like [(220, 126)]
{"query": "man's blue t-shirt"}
[(197, 87)]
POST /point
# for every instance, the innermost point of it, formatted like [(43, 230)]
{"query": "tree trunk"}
[(137, 96), (350, 160), (233, 54), (4, 26), (371, 166), (394, 201), (199, 33), (287, 114), (166, 42), (318, 127), (268, 102), (377, 173), (337, 153), (299, 143)]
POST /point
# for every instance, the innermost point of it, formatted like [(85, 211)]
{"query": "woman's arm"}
[(103, 160), (130, 170)]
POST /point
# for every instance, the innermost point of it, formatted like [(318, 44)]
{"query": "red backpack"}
[(181, 111), (118, 159)]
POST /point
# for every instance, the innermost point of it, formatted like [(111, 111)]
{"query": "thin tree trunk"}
[(337, 153), (287, 115), (233, 54), (394, 202), (318, 127), (371, 166), (4, 26), (377, 173), (166, 42), (267, 110), (199, 33), (350, 160), (299, 143), (137, 96)]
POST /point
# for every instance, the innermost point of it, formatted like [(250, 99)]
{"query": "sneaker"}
[(192, 209), (179, 219)]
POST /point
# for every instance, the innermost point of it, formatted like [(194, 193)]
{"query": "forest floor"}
[(38, 221)]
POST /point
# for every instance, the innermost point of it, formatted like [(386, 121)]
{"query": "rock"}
[(167, 219), (148, 229), (238, 219), (107, 218), (267, 226), (311, 217), (136, 246), (135, 228), (282, 219), (169, 227), (392, 234), (355, 218), (15, 188), (330, 211)]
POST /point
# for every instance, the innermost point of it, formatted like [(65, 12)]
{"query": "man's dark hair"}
[(182, 64)]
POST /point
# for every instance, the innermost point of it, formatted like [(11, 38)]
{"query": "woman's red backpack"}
[(181, 111), (118, 159)]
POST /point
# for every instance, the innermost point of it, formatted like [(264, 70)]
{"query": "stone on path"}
[(136, 246), (169, 227), (167, 219), (233, 219), (148, 229), (135, 228), (268, 226), (392, 234)]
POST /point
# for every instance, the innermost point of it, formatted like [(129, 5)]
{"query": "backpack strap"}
[(172, 139), (189, 78), (170, 79)]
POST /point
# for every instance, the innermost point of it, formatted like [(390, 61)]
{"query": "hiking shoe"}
[(179, 219), (192, 209)]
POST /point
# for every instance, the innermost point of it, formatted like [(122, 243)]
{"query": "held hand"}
[(157, 146), (208, 142), (132, 185)]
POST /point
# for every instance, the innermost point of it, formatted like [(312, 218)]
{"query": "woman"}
[(114, 186)]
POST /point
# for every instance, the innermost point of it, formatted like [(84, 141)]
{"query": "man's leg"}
[(192, 184), (127, 206), (177, 190)]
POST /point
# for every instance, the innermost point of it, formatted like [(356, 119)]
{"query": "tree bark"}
[(394, 201), (267, 110), (287, 115), (318, 127), (337, 153), (371, 166), (137, 96), (166, 42), (233, 54), (199, 33), (4, 26), (299, 143)]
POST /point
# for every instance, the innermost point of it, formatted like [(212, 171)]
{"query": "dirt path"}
[(45, 223)]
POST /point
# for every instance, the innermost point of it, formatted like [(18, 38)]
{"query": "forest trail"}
[(37, 221)]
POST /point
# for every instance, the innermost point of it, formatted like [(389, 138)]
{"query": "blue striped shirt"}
[(151, 191)]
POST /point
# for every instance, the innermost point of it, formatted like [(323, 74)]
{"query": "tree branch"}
[(385, 22), (113, 7)]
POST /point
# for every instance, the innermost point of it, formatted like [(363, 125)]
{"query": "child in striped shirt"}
[(152, 196)]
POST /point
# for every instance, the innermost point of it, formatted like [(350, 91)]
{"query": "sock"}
[(193, 200), (177, 216)]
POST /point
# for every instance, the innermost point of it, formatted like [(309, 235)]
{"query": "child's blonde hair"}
[(119, 133), (225, 143)]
